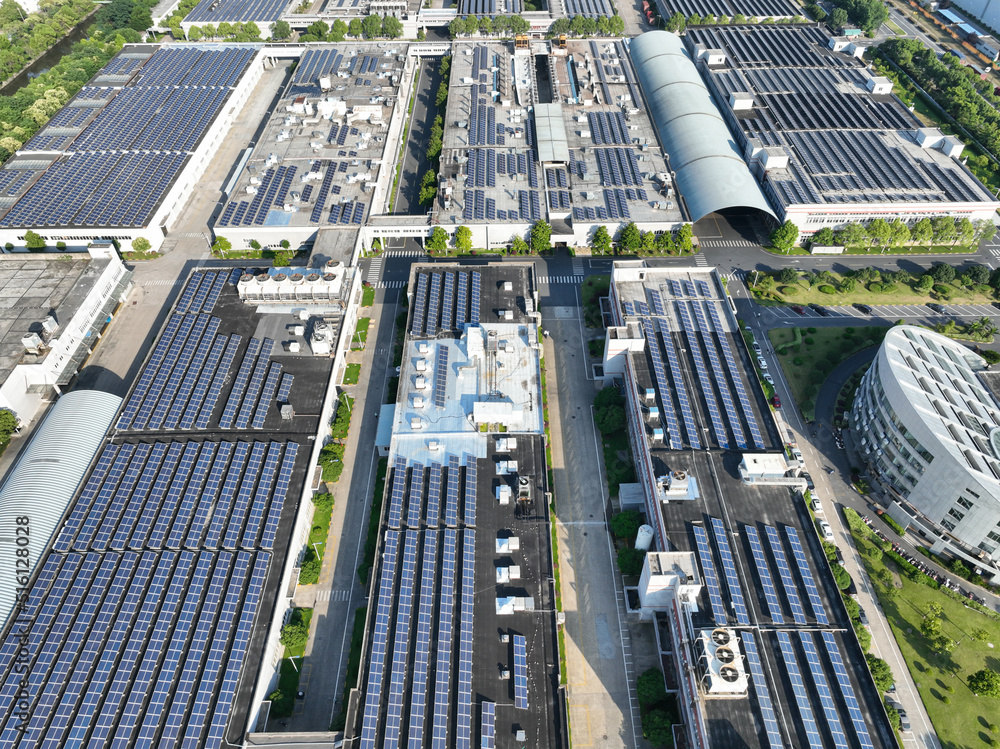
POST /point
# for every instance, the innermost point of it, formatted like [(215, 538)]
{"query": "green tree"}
[(221, 245), (463, 239), (281, 30), (295, 634), (944, 229), (371, 26), (355, 29), (601, 243), (428, 188), (676, 23), (438, 241), (338, 32), (864, 636), (116, 14), (785, 236), (630, 561), (609, 396), (841, 577), (925, 282), (611, 419), (541, 235), (194, 34), (942, 273), (141, 244), (992, 357), (881, 673), (980, 634), (254, 244), (658, 728), (518, 246), (392, 28), (630, 238), (442, 93), (824, 236), (140, 19), (33, 240), (787, 276), (683, 239), (985, 683), (626, 524), (878, 232), (922, 232), (285, 244), (852, 235), (8, 423), (650, 687), (899, 233), (977, 273), (838, 18)]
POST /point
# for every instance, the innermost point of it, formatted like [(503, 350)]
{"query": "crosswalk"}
[(375, 269), (578, 268), (549, 280), (163, 282), (995, 251), (737, 275), (388, 284), (700, 260), (728, 243), (403, 253), (333, 595)]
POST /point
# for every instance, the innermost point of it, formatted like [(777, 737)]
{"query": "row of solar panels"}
[(457, 303), (444, 495)]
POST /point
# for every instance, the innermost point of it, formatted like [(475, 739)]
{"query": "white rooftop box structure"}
[(740, 101), (879, 85), (507, 545)]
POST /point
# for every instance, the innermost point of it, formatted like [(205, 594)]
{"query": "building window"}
[(969, 491), (987, 548), (948, 525), (956, 514), (993, 536), (965, 503)]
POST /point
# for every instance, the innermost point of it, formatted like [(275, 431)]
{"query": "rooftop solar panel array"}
[(732, 579), (440, 307), (799, 690), (764, 703), (847, 690), (710, 576), (785, 573), (707, 392), (760, 559), (812, 593), (520, 671), (441, 376), (132, 145), (834, 726), (236, 11)]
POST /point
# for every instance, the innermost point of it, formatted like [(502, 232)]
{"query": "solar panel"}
[(446, 610), (149, 372), (419, 302), (462, 303), (220, 378), (463, 716), (735, 373), (415, 502), (401, 646), (812, 593), (729, 567), (487, 729), (767, 713), (823, 690), (252, 395), (799, 690), (433, 495), (266, 396), (448, 303), (285, 389), (847, 691), (770, 594), (520, 671), (240, 383), (660, 375), (451, 500), (379, 642), (441, 375), (195, 371), (679, 388), (434, 303), (277, 501), (477, 280), (395, 517), (729, 406), (711, 404), (471, 470), (710, 576), (785, 572), (425, 623), (209, 491)]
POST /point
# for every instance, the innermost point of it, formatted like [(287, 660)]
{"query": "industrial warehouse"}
[(739, 570), (460, 646)]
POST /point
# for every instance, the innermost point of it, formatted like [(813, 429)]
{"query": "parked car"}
[(862, 616), (756, 347), (820, 310), (776, 401), (768, 379), (809, 481), (762, 362), (863, 308), (937, 308), (825, 530), (904, 721), (816, 505), (798, 309)]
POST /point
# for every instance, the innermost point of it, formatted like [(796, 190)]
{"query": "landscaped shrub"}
[(827, 289), (809, 341), (810, 330), (797, 361), (875, 287), (789, 290)]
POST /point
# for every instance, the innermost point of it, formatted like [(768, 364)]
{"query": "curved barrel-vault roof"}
[(45, 478), (710, 172)]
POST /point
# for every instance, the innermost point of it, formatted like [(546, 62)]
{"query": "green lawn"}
[(305, 615), (904, 293), (351, 373), (283, 698), (895, 28), (592, 289), (368, 296), (812, 353), (361, 333), (963, 721)]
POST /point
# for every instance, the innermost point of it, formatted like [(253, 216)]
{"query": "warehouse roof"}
[(551, 131), (47, 474), (711, 173)]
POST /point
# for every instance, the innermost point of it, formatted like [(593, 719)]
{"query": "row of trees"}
[(955, 87), (586, 26), (867, 15), (230, 32), (27, 35), (938, 274), (926, 231), (504, 27), (539, 240), (428, 183), (678, 21), (371, 27), (632, 241)]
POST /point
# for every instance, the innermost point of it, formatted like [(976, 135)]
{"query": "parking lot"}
[(892, 312)]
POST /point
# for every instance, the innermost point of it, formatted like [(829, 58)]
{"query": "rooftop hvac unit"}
[(420, 383), (657, 435), (49, 325), (654, 414), (422, 347), (650, 394), (508, 286), (503, 494), (721, 637), (32, 343), (416, 423), (433, 446), (418, 401), (420, 364)]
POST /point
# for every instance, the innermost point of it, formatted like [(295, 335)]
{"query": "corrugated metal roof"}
[(710, 171), (550, 133), (45, 479)]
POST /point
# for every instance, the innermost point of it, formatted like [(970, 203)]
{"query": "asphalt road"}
[(415, 161)]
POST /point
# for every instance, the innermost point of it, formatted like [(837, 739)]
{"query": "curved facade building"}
[(928, 425), (39, 488), (711, 173)]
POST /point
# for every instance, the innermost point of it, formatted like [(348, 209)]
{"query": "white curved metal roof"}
[(711, 173), (45, 479)]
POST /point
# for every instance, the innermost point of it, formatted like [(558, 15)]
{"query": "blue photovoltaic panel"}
[(415, 502), (103, 498), (379, 642), (227, 495), (799, 689), (150, 513), (82, 507), (488, 726), (254, 387), (425, 624), (168, 508), (823, 690), (163, 373), (149, 372), (475, 300), (433, 514), (785, 572), (207, 495), (266, 396), (732, 579), (433, 304), (213, 296), (448, 303), (520, 672), (687, 413), (729, 405), (440, 375), (192, 495), (812, 593), (703, 288), (763, 693), (178, 374), (261, 499), (446, 612), (462, 299), (285, 389), (711, 404), (734, 371), (197, 397), (847, 691), (190, 289), (419, 303), (463, 715), (470, 490), (240, 384), (232, 520), (711, 578), (215, 389), (660, 375), (277, 501), (629, 309), (131, 514), (201, 361), (760, 559), (402, 620), (396, 497), (451, 500), (658, 309)]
